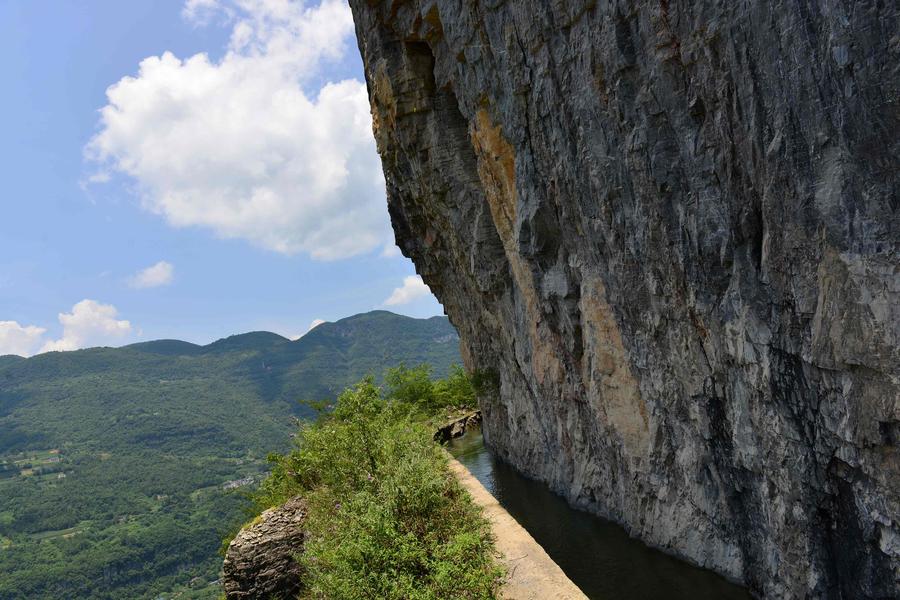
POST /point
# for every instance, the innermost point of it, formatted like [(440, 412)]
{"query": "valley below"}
[(123, 469)]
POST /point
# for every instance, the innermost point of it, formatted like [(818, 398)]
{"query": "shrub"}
[(414, 389), (411, 387), (386, 517), (456, 391)]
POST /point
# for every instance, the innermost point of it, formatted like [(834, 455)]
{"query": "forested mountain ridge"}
[(113, 460)]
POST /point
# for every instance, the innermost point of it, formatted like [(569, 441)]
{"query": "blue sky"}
[(244, 181)]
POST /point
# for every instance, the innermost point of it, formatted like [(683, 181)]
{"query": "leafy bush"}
[(415, 390), (386, 517)]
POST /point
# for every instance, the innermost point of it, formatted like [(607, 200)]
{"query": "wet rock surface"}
[(669, 232), (260, 561)]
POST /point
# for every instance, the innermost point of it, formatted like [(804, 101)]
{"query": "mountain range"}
[(121, 469)]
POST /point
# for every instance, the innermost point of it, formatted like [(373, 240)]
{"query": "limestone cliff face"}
[(671, 229)]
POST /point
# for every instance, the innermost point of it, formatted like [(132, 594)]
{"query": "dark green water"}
[(596, 554)]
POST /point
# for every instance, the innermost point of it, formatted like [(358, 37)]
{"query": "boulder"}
[(260, 562)]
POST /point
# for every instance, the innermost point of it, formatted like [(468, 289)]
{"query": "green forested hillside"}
[(114, 462)]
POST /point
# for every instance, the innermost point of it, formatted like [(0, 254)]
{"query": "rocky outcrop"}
[(260, 562), (670, 230), (457, 427)]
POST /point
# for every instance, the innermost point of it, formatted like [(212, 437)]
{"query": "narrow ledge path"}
[(530, 572)]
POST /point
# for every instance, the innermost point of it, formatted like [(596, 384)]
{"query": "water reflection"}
[(596, 554)]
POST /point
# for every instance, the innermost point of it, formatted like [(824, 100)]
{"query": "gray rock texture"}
[(670, 230), (457, 427), (260, 563)]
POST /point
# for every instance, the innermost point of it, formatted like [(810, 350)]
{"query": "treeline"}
[(121, 527), (141, 557)]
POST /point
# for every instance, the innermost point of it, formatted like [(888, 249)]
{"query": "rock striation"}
[(260, 562), (670, 232)]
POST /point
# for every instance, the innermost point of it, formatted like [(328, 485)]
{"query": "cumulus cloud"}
[(19, 339), (89, 324), (315, 323), (153, 276), (241, 146), (413, 288)]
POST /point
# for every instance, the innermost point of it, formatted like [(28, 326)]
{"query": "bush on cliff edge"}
[(386, 517)]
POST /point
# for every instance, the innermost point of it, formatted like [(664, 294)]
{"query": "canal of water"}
[(596, 554)]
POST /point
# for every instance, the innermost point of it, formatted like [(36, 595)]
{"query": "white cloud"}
[(99, 177), (240, 147), (200, 12), (154, 276), (391, 250), (315, 323), (413, 288), (89, 324), (19, 339)]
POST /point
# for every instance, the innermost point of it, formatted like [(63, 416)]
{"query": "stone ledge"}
[(531, 573)]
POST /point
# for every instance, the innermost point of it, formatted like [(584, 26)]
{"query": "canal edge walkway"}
[(530, 572)]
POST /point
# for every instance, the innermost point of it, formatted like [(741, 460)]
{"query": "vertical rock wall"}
[(669, 231)]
